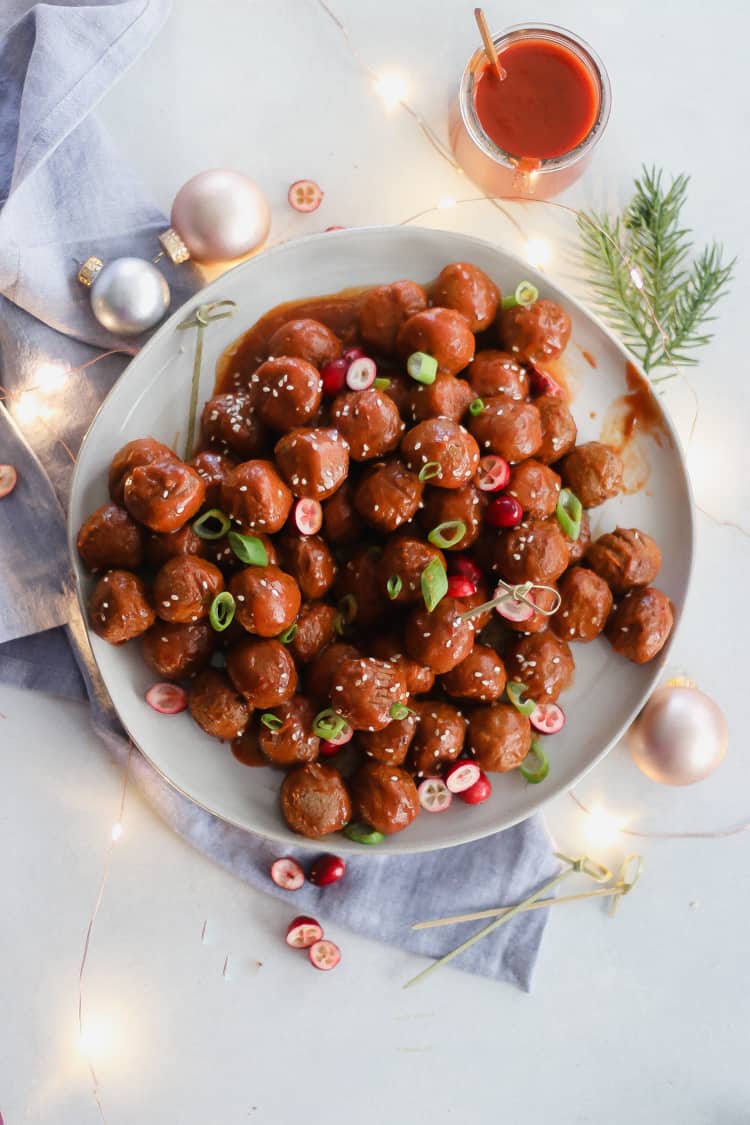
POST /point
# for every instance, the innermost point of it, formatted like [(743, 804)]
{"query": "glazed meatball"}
[(255, 496), (419, 678), (177, 652), (342, 524), (214, 468), (216, 706), (383, 311), (586, 604), (263, 671), (185, 587), (384, 796), (315, 800), (439, 738), (493, 373), (306, 339), (538, 621), (509, 428), (447, 397), (163, 494), (404, 558), (314, 462), (142, 451), (577, 548), (163, 546), (320, 671), (316, 628), (230, 422), (535, 551), (624, 558), (559, 431), (469, 291), (399, 390), (364, 690), (536, 487), (268, 600), (464, 505), (543, 663), (369, 422), (440, 639), (481, 676), (593, 471), (109, 539), (310, 562), (360, 583), (640, 625), (441, 333), (499, 737), (388, 496), (391, 744), (118, 607), (293, 742), (287, 392), (536, 332), (444, 443)]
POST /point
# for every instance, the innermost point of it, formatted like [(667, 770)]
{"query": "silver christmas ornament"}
[(128, 295), (680, 736)]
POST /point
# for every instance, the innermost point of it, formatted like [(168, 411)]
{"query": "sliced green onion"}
[(363, 834), (273, 722), (347, 607), (288, 634), (221, 613), (430, 470), (476, 407), (382, 383), (339, 625), (434, 582), (539, 768), (525, 294), (221, 524), (422, 367), (327, 724), (447, 534), (514, 691), (569, 512), (248, 549), (394, 586), (400, 711)]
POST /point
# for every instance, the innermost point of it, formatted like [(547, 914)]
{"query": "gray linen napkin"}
[(67, 194)]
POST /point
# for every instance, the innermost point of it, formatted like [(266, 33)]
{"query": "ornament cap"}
[(174, 247), (88, 272)]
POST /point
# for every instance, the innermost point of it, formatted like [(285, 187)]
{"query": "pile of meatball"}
[(336, 621)]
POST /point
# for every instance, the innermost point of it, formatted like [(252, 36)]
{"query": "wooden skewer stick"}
[(489, 46), (541, 904)]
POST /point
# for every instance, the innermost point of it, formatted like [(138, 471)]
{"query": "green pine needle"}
[(678, 289)]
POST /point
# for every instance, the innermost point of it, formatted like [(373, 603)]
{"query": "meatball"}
[(404, 558), (314, 462), (439, 738), (384, 796), (441, 333), (315, 800), (465, 505), (543, 663), (231, 422), (342, 524), (388, 496), (310, 562), (306, 339), (263, 671), (391, 744), (473, 601), (640, 625), (163, 494), (214, 468), (469, 291), (586, 604), (536, 487), (577, 548), (383, 311), (364, 690), (293, 741), (320, 671), (509, 428), (268, 600), (545, 599), (559, 430), (175, 651), (493, 373), (369, 422), (216, 706), (535, 551), (593, 471), (360, 583), (142, 451), (110, 538), (316, 628), (444, 443), (447, 397), (399, 389), (440, 639), (480, 676), (163, 546), (185, 587), (255, 496), (499, 737), (118, 607), (624, 558), (537, 332), (287, 392), (419, 678)]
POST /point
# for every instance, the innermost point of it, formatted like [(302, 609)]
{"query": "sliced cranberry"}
[(542, 383), (167, 699), (327, 749), (512, 609), (548, 718), (493, 473), (305, 195), (504, 511), (327, 869), (307, 516), (479, 791), (459, 587), (324, 955), (465, 566), (8, 479), (361, 373), (333, 376), (302, 932), (460, 776), (287, 874), (434, 795)]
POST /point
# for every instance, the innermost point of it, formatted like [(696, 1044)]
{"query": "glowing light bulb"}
[(636, 277), (116, 832), (601, 827), (538, 252), (391, 89), (50, 377), (446, 203), (30, 408)]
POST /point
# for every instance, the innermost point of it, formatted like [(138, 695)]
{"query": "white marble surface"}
[(643, 1018)]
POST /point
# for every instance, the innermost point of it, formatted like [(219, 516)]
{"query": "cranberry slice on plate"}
[(460, 776), (167, 699), (287, 874), (434, 795), (305, 196), (548, 718), (303, 932), (324, 955), (361, 373)]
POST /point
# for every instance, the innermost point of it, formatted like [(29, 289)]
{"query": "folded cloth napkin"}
[(68, 194)]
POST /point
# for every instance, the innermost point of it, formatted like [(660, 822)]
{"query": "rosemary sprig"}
[(647, 283)]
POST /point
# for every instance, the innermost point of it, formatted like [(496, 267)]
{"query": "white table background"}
[(642, 1018)]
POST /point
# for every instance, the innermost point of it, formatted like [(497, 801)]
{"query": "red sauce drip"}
[(633, 414), (545, 106), (588, 357)]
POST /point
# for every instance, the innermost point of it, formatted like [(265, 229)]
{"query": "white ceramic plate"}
[(151, 398)]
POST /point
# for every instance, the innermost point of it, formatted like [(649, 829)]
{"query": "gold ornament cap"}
[(174, 247), (88, 271)]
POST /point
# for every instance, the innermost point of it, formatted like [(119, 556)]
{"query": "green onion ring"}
[(273, 722), (569, 512), (447, 534), (248, 549), (434, 584), (394, 586), (422, 367), (525, 294), (327, 724), (216, 515), (476, 407), (400, 711), (537, 773), (288, 634), (430, 470), (221, 613), (514, 690)]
